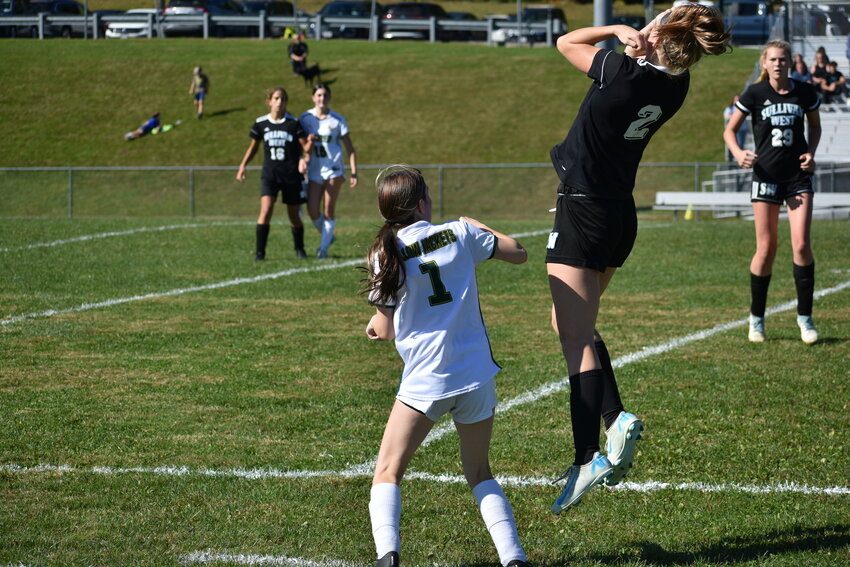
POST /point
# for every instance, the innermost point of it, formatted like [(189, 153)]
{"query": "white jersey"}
[(327, 159), (440, 333)]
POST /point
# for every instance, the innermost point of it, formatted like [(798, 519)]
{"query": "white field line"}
[(366, 469), (564, 383), (211, 556), (85, 238), (505, 480), (181, 291)]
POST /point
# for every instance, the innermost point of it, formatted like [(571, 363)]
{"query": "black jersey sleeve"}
[(746, 101), (256, 132), (606, 64)]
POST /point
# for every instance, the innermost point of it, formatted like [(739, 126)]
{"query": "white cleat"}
[(623, 436), (808, 333), (580, 479), (756, 334)]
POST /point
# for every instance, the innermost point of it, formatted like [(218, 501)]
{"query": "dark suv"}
[(345, 9), (55, 8), (271, 8), (199, 8), (413, 11)]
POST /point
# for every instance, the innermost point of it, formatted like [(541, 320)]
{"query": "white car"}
[(126, 29)]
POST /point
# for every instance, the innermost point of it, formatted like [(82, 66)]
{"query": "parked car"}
[(199, 8), (102, 19), (633, 21), (751, 20), (11, 8), (827, 20), (532, 14), (57, 8), (413, 11), (119, 29), (271, 8), (345, 9), (467, 35)]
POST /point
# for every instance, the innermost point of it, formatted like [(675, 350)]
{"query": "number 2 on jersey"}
[(639, 129), (441, 295)]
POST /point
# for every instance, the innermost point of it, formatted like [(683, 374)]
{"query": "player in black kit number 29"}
[(782, 164)]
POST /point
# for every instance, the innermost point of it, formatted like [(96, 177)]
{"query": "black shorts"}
[(291, 192), (591, 232), (777, 193)]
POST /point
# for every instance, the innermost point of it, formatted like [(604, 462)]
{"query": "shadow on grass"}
[(798, 540), (223, 112)]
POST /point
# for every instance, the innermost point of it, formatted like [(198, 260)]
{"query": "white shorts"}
[(322, 169), (471, 407)]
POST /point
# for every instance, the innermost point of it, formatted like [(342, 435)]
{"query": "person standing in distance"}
[(632, 96), (199, 88), (421, 280), (329, 133), (286, 155), (298, 51), (782, 165)]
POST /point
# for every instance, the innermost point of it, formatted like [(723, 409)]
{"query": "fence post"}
[(70, 193), (191, 192), (440, 190), (696, 176)]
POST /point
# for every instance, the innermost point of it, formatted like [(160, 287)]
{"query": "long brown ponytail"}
[(399, 189), (689, 32)]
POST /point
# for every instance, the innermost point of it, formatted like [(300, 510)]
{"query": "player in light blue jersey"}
[(329, 132), (421, 280)]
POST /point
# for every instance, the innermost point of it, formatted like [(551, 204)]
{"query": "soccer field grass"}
[(167, 401)]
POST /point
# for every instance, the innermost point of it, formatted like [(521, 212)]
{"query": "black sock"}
[(262, 238), (611, 403), (298, 237), (585, 411), (804, 279), (758, 290)]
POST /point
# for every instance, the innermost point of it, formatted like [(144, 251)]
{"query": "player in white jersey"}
[(782, 110), (421, 280), (329, 132), (632, 95)]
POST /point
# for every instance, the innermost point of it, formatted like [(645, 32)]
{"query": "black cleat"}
[(260, 257), (388, 560), (518, 563), (301, 253)]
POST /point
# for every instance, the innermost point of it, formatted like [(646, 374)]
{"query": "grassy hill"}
[(70, 102)]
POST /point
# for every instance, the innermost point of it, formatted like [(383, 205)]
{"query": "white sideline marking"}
[(181, 291), (238, 281), (210, 556), (505, 480), (564, 383), (120, 233)]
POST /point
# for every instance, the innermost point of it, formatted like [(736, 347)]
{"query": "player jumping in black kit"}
[(595, 221), (286, 155), (782, 164)]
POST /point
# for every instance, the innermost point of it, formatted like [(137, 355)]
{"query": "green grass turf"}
[(69, 102), (277, 375)]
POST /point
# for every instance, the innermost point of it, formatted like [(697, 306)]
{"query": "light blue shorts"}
[(470, 407)]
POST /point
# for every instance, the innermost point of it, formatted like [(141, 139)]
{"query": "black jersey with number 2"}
[(628, 102), (778, 128), (281, 147)]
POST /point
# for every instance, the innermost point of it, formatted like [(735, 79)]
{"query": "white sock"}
[(499, 519), (328, 233), (319, 222), (385, 512)]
